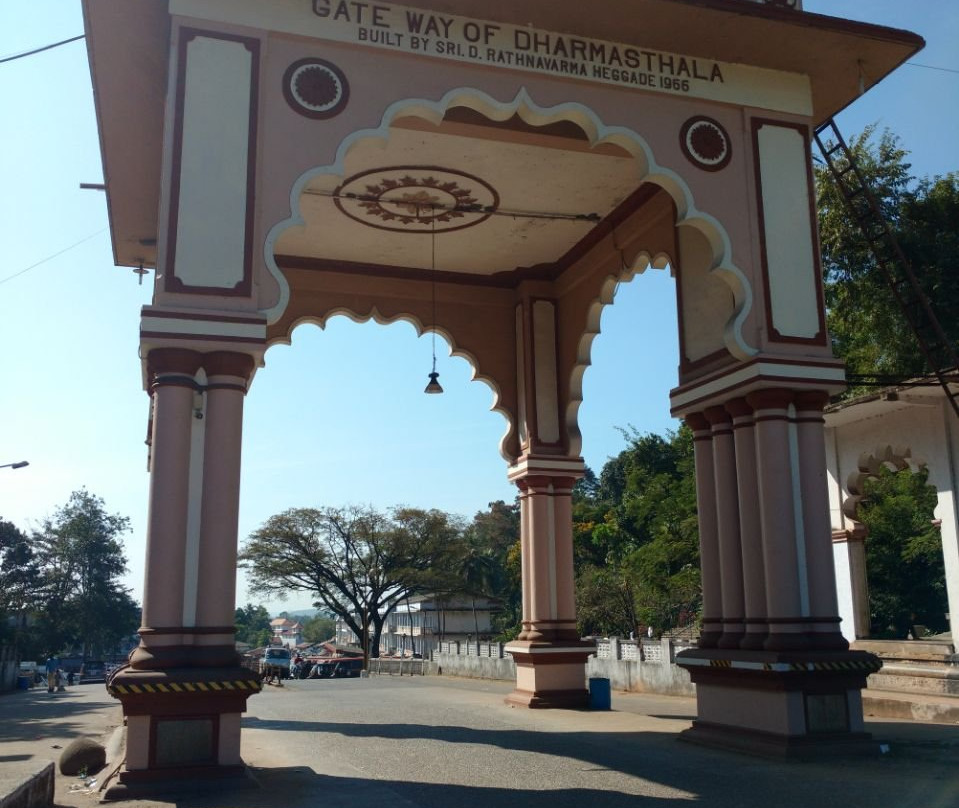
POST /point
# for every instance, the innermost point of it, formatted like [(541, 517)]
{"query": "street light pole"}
[(19, 465)]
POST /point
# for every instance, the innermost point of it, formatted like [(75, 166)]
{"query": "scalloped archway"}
[(291, 234)]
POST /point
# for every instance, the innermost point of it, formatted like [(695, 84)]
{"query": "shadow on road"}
[(44, 715)]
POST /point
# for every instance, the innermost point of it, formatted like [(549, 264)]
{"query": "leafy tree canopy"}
[(904, 562), (19, 583), (83, 605), (636, 538), (320, 628), (252, 625), (864, 319), (357, 562)]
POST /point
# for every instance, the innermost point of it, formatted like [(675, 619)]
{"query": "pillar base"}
[(550, 674), (780, 704), (183, 724), (135, 785)]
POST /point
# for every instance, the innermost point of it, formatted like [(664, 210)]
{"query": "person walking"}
[(53, 668)]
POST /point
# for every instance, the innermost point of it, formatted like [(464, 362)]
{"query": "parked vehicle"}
[(337, 667), (93, 670), (275, 663)]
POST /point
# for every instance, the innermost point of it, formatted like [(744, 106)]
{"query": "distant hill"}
[(300, 614), (305, 614)]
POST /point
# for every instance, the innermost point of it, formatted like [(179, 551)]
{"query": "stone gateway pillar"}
[(549, 654), (184, 690)]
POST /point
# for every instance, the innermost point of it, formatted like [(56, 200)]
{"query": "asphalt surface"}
[(438, 742)]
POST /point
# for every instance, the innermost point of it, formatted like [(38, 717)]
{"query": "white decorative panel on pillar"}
[(521, 378), (211, 210), (544, 371), (793, 298)]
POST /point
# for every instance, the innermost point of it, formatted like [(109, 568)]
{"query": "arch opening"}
[(366, 430), (471, 193), (893, 501)]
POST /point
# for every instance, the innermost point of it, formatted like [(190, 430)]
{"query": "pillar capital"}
[(774, 398), (179, 361), (554, 468), (697, 422), (811, 400), (739, 408), (717, 417), (228, 363)]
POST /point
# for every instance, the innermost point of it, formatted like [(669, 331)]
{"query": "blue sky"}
[(339, 417)]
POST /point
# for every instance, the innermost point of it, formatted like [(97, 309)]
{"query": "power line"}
[(40, 50), (83, 36), (933, 67), (51, 257)]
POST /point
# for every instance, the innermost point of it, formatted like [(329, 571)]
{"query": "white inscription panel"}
[(789, 236), (211, 223), (466, 39)]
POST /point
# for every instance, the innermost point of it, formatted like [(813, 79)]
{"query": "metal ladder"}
[(938, 351)]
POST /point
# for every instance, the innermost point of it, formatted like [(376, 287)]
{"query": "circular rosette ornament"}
[(416, 199), (706, 143), (315, 88)]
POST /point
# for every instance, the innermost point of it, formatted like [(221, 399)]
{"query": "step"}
[(910, 706), (935, 651)]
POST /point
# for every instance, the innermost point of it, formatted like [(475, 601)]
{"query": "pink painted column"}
[(549, 654), (820, 563), (712, 579), (750, 525), (227, 376), (786, 591), (173, 385), (551, 593), (727, 524), (526, 584)]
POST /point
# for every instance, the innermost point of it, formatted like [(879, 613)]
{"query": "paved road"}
[(446, 743)]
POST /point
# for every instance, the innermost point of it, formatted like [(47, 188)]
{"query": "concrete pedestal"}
[(550, 674), (182, 724), (780, 704)]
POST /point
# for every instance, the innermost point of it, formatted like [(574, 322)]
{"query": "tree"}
[(81, 561), (19, 585), (865, 322), (357, 562), (253, 625), (320, 628), (904, 562), (605, 602), (637, 538), (490, 565)]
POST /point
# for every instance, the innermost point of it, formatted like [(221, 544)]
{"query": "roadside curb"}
[(27, 785)]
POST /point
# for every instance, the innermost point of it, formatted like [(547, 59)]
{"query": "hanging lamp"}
[(434, 387)]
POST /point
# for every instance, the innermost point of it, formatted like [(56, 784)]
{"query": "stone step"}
[(941, 652), (928, 709), (924, 679)]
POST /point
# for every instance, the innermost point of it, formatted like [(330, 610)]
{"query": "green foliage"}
[(904, 561), (605, 602), (864, 319), (252, 625), (637, 538), (19, 585), (357, 562), (490, 566), (82, 604), (319, 628)]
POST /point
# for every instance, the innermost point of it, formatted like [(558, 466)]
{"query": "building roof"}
[(921, 391)]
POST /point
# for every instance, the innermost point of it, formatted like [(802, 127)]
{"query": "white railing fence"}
[(646, 650)]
